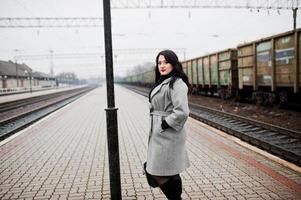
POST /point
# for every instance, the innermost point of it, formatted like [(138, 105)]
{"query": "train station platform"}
[(64, 156)]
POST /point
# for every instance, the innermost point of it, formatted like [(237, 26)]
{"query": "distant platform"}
[(12, 97)]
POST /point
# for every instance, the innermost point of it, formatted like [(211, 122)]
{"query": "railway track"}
[(19, 114), (8, 106), (279, 141)]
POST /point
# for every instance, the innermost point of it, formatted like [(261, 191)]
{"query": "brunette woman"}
[(166, 155)]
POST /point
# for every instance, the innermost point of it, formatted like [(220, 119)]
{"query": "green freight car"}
[(145, 79), (214, 73), (148, 78)]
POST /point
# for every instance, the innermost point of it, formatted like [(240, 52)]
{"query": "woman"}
[(167, 156)]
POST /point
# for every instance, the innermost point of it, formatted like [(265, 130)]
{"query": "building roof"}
[(8, 68), (41, 75)]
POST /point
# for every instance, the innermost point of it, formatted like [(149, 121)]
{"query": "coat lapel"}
[(158, 88)]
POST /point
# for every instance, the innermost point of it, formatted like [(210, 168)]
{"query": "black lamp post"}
[(111, 111)]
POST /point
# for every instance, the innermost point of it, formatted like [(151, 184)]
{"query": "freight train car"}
[(266, 71), (213, 73), (148, 78), (145, 79), (269, 69)]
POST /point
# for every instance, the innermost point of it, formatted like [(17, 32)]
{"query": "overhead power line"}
[(258, 4), (118, 52), (70, 22), (42, 22)]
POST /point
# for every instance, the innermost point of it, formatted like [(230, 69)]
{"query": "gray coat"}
[(166, 153)]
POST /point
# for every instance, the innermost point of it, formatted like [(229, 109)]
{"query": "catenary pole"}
[(295, 17), (111, 111)]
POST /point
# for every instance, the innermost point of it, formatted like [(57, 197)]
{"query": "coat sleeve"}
[(179, 101)]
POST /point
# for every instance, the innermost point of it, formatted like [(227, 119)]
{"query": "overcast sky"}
[(198, 31)]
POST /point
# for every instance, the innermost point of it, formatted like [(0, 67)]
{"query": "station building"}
[(16, 77)]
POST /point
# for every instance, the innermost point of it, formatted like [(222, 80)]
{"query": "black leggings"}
[(171, 186), (161, 180)]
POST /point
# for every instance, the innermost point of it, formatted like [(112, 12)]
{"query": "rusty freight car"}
[(213, 73), (269, 69)]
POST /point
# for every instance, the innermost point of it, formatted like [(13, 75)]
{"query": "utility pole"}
[(295, 17), (29, 73), (51, 62), (16, 63), (111, 111), (103, 65), (30, 76)]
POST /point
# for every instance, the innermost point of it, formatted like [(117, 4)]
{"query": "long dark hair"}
[(177, 71)]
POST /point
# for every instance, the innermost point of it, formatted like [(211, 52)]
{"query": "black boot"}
[(172, 189)]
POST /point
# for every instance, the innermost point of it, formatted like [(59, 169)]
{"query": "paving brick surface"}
[(65, 157)]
